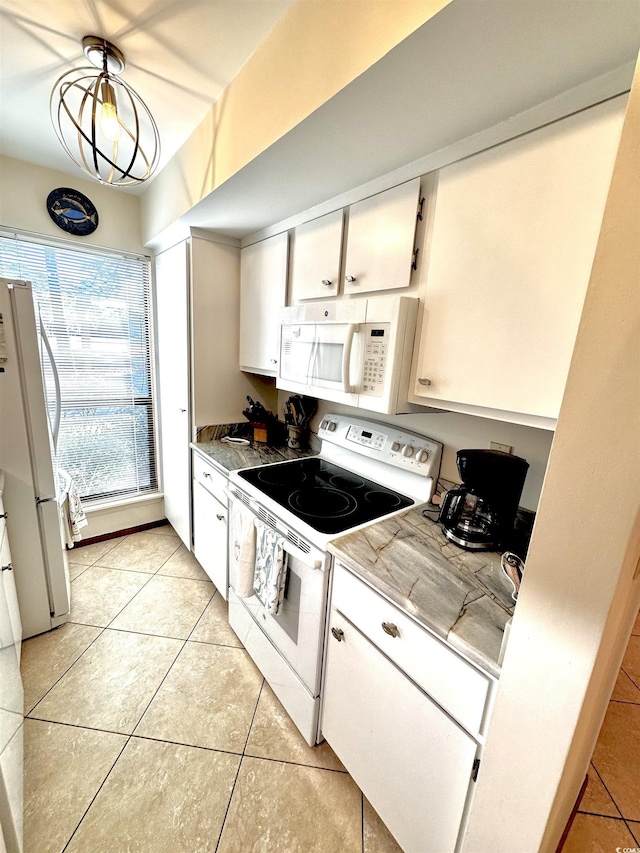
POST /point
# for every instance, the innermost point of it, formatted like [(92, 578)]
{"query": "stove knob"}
[(331, 426), (408, 451), (422, 455), (396, 446)]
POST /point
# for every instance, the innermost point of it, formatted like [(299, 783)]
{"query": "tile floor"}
[(609, 815), (149, 729)]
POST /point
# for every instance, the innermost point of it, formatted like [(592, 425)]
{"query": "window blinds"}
[(95, 307)]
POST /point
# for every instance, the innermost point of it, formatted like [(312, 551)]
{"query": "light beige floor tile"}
[(214, 627), (634, 827), (47, 657), (110, 686), (596, 799), (183, 564), (141, 552), (98, 595), (376, 836), (88, 554), (208, 699), (616, 757), (159, 798), (162, 530), (286, 808), (64, 767), (625, 690), (167, 606), (594, 834), (76, 569), (631, 660), (273, 735)]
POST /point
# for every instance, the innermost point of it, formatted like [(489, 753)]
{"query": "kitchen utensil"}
[(513, 567)]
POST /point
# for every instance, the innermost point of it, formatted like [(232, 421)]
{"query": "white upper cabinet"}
[(380, 240), (514, 237), (263, 292), (315, 257)]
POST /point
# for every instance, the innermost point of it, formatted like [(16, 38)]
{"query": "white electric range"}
[(365, 471)]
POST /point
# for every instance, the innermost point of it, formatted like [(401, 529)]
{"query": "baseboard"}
[(116, 533)]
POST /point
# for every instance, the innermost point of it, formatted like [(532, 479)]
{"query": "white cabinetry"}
[(200, 383), (315, 257), (210, 522), (380, 240), (514, 236), (393, 699), (263, 294)]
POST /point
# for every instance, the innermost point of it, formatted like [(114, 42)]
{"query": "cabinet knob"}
[(273, 360), (7, 568), (206, 474), (182, 410), (338, 633), (390, 629), (219, 516), (350, 278), (326, 282), (424, 381), (4, 515)]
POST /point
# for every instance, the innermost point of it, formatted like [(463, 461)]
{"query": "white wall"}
[(23, 194), (581, 588)]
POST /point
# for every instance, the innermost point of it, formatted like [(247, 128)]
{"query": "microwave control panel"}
[(377, 347)]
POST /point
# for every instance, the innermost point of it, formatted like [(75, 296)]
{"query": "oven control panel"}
[(366, 437)]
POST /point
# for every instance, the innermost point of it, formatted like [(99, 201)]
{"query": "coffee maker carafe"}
[(480, 514)]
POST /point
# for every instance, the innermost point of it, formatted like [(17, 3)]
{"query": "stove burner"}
[(347, 481), (322, 502), (383, 500), (282, 475)]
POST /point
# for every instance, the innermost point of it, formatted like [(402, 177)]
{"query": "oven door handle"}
[(296, 552), (346, 357)]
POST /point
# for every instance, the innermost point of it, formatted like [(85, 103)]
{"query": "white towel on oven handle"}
[(244, 549), (270, 569)]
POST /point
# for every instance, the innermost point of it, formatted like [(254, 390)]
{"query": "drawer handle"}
[(206, 474), (390, 629), (338, 633), (219, 517), (7, 568)]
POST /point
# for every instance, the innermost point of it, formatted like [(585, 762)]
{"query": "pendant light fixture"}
[(102, 123)]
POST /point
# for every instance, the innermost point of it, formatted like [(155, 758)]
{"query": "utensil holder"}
[(295, 436)]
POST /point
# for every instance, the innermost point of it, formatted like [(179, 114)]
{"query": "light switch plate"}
[(505, 448)]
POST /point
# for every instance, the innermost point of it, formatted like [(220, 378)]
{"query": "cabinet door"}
[(263, 273), (514, 237), (315, 257), (380, 240), (172, 302), (210, 536), (412, 762), (13, 625)]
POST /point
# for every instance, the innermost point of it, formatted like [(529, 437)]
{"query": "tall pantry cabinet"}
[(200, 384)]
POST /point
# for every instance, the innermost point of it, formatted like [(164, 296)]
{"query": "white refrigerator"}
[(27, 439)]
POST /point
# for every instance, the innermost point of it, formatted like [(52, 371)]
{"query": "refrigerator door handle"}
[(55, 427)]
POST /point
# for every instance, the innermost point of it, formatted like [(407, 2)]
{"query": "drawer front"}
[(209, 477), (456, 685)]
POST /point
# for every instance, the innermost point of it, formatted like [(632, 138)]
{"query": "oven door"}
[(297, 631)]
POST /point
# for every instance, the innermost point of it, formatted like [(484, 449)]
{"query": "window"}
[(95, 308)]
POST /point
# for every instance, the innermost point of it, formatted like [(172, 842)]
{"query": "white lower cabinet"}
[(210, 523), (413, 762)]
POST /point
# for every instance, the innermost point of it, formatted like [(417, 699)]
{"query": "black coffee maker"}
[(480, 514)]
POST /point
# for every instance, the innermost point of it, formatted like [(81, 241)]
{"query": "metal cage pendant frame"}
[(76, 106)]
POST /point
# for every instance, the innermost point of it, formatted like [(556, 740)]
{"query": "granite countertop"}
[(460, 595), (227, 456)]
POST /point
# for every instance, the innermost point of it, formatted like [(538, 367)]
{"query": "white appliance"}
[(32, 502), (365, 471), (353, 351)]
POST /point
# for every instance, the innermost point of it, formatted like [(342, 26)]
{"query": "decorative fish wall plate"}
[(72, 211)]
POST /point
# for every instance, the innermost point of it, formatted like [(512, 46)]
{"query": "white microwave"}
[(353, 351)]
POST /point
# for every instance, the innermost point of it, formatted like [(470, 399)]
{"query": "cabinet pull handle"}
[(338, 633), (4, 515), (390, 629), (326, 282), (424, 381), (219, 516), (350, 278), (7, 568), (414, 262), (420, 209)]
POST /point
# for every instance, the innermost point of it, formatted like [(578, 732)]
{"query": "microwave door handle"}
[(346, 357), (312, 361)]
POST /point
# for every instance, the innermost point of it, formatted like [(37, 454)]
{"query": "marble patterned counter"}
[(227, 456), (460, 595)]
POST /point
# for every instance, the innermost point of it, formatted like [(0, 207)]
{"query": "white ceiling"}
[(180, 56)]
